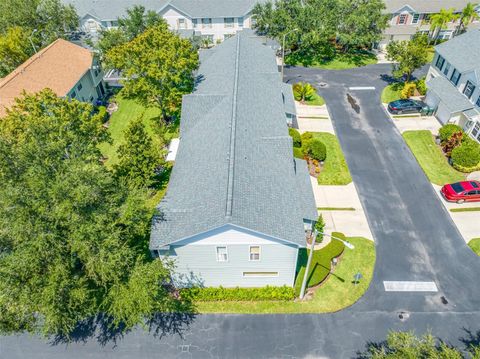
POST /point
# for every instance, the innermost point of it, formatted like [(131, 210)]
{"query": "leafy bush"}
[(321, 262), (446, 131), (320, 226), (421, 86), (303, 91), (306, 136), (297, 139), (408, 90), (316, 149), (453, 142), (102, 112), (210, 294), (466, 156)]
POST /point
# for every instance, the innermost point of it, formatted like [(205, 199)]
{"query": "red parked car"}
[(466, 191)]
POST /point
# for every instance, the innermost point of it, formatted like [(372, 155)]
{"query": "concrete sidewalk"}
[(351, 223), (468, 223), (313, 118)]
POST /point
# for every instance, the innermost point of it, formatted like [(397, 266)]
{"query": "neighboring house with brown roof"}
[(67, 69)]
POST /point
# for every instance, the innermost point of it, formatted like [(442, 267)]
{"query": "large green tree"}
[(439, 21), (72, 237), (138, 156), (136, 21), (158, 66), (408, 55), (15, 48)]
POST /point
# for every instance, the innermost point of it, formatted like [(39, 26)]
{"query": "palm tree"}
[(466, 17), (440, 20)]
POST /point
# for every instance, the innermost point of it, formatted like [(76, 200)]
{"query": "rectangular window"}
[(468, 90), (229, 21), (254, 253), (478, 101), (439, 63), (240, 22), (415, 18), (222, 255), (260, 274), (194, 22), (182, 24), (207, 23), (446, 69), (79, 87), (476, 130), (402, 19), (455, 77), (115, 23), (73, 95)]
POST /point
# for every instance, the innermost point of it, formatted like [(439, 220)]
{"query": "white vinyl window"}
[(415, 18), (222, 255), (182, 24), (206, 23), (229, 21), (254, 253)]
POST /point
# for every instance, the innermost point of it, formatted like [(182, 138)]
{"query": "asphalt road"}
[(415, 240)]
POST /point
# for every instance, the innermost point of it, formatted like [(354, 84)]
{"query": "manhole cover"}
[(322, 84), (403, 315)]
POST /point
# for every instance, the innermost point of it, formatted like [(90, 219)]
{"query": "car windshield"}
[(457, 187), (474, 184)]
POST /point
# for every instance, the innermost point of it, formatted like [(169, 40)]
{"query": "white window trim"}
[(216, 254), (413, 18), (259, 253), (228, 25), (260, 276)]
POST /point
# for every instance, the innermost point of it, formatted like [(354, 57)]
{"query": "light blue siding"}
[(196, 260)]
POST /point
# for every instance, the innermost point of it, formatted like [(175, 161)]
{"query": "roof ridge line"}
[(231, 157)]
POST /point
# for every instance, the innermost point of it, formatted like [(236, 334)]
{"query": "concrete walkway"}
[(313, 118), (467, 223), (415, 123), (351, 223)]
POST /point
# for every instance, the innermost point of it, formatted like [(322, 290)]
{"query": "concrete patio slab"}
[(314, 125), (415, 123), (351, 223), (468, 223)]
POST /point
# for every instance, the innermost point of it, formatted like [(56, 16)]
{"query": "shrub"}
[(408, 90), (303, 91), (453, 142), (421, 86), (321, 262), (102, 112), (238, 294), (297, 139), (306, 136), (446, 131), (466, 156), (317, 149), (319, 226)]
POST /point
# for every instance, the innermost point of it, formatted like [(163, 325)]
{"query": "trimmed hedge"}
[(212, 294), (316, 149), (446, 131), (466, 157), (421, 86), (295, 135), (321, 262)]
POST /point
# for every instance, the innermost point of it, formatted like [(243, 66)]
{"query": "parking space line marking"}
[(409, 286), (362, 88)]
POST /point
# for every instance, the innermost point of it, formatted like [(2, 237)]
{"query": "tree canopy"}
[(408, 55), (158, 66), (72, 237), (23, 22), (316, 26)]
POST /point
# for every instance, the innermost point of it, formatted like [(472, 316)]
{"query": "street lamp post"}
[(31, 42), (283, 48), (305, 277)]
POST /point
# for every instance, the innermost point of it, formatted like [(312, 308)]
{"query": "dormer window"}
[(415, 18), (402, 19)]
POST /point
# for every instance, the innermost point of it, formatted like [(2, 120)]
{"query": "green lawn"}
[(431, 158), (474, 244), (337, 293), (431, 54), (335, 170), (392, 92), (316, 100), (339, 62), (129, 110)]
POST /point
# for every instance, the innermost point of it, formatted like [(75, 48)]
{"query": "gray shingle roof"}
[(449, 94), (463, 51), (234, 164), (288, 98), (215, 8), (107, 10), (426, 6)]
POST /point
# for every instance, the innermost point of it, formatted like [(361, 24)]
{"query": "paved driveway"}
[(415, 237)]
